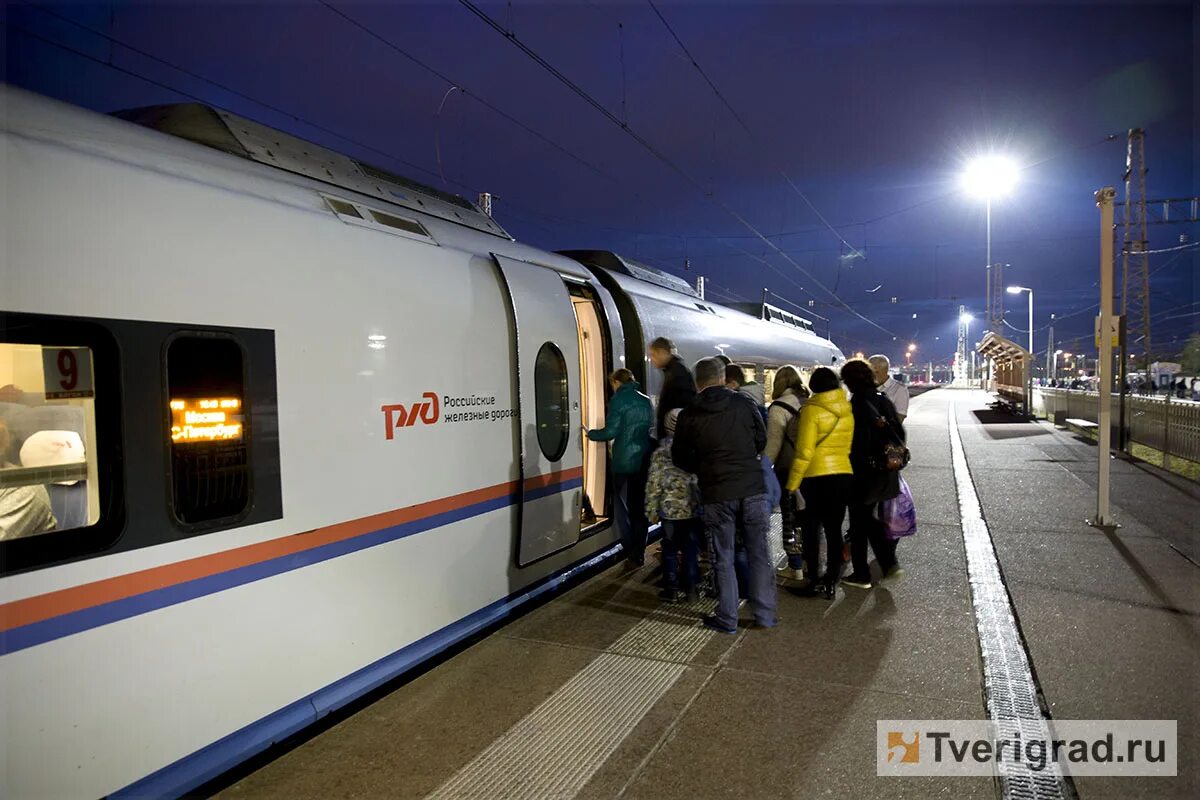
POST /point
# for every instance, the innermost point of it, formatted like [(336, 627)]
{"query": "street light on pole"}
[(988, 177), (1018, 290)]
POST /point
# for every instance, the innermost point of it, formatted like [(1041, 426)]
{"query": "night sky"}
[(872, 110)]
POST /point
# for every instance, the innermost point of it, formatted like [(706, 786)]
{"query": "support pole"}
[(1104, 364), (1050, 359), (1029, 376)]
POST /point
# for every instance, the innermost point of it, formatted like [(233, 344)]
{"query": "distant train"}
[(330, 424)]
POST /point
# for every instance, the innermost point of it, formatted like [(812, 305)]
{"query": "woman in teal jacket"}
[(630, 416)]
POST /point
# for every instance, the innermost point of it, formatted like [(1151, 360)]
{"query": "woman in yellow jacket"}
[(821, 471)]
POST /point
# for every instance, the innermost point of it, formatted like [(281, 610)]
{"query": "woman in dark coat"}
[(874, 415)]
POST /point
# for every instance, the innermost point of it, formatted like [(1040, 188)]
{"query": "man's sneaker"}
[(691, 596), (857, 581), (713, 624), (893, 575), (790, 574), (670, 595)]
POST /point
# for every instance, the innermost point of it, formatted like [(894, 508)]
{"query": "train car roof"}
[(248, 139), (644, 281)]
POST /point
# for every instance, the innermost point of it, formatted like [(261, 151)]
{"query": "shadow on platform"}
[(1014, 427)]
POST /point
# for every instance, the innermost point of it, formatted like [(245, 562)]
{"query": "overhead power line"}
[(729, 106), (196, 76), (433, 174), (467, 92), (654, 151)]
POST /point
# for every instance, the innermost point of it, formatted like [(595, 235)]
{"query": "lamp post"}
[(964, 338), (1018, 290), (1029, 363), (988, 177)]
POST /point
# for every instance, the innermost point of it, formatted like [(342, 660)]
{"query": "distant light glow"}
[(1018, 289), (990, 176), (966, 318)]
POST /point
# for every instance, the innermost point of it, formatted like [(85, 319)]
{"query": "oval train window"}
[(550, 401)]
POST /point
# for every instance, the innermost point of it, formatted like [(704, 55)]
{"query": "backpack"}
[(787, 451), (888, 453)]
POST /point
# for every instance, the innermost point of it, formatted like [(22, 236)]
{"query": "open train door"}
[(545, 340)]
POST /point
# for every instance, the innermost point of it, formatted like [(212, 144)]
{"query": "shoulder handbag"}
[(888, 451)]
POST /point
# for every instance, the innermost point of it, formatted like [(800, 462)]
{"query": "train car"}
[(300, 425)]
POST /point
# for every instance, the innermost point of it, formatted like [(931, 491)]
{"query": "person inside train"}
[(718, 438), (783, 419), (896, 391), (24, 510), (875, 424), (673, 496), (678, 388), (735, 380), (627, 426), (822, 473)]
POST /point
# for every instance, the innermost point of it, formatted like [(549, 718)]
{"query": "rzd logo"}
[(400, 416), (908, 752)]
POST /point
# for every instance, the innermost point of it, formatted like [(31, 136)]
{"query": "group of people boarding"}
[(723, 460)]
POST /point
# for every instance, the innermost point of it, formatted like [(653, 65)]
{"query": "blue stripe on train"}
[(85, 619), (209, 762)]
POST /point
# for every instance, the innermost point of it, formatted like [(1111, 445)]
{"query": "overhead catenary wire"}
[(1189, 246), (742, 122), (196, 76), (466, 91), (116, 42), (509, 205), (658, 154)]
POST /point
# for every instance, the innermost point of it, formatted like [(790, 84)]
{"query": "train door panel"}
[(594, 358), (546, 342)]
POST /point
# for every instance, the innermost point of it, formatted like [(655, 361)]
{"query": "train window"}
[(209, 447), (48, 462), (550, 401)]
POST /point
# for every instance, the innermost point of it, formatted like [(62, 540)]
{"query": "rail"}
[(1167, 424)]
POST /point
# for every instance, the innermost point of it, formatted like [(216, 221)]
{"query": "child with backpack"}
[(673, 497)]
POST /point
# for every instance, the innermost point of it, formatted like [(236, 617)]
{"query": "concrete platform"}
[(605, 692)]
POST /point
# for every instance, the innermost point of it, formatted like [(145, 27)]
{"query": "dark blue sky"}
[(871, 109)]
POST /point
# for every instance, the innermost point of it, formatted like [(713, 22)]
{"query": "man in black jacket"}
[(678, 389), (718, 439)]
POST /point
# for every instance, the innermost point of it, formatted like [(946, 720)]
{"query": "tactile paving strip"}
[(1010, 690), (557, 747)]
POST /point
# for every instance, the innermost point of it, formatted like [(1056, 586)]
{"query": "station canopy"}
[(1001, 350)]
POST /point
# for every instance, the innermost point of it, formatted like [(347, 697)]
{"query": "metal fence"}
[(1167, 424)]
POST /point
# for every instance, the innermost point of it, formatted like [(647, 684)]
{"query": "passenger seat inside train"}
[(50, 435)]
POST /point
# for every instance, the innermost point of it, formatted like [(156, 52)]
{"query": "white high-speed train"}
[(330, 423)]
